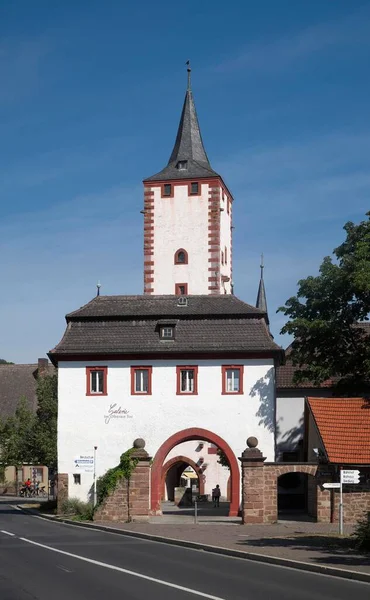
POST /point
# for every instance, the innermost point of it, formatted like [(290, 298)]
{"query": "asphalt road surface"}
[(42, 560)]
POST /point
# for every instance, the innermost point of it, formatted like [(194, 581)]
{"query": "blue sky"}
[(90, 98)]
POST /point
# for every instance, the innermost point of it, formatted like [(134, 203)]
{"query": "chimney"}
[(42, 367)]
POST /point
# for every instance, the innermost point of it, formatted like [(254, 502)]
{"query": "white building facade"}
[(152, 367)]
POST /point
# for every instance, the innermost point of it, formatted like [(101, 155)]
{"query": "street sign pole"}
[(95, 497), (341, 504)]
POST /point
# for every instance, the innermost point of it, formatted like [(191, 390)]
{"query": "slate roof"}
[(344, 427), (188, 146), (130, 325), (161, 306), (17, 381)]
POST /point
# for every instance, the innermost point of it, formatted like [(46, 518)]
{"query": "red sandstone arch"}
[(182, 459), (187, 435)]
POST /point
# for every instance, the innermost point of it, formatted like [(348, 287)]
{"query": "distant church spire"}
[(261, 301)]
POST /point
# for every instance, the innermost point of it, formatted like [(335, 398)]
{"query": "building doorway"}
[(183, 473), (157, 482)]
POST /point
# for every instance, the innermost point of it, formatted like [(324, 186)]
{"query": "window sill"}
[(232, 393), (96, 394)]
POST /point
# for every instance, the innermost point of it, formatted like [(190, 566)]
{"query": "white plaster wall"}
[(289, 423), (225, 240), (214, 473), (83, 422), (181, 222)]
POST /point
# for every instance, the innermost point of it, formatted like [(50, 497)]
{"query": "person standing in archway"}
[(216, 493)]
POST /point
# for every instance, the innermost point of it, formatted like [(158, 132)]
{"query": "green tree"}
[(326, 314), (5, 362), (29, 438), (17, 436), (46, 421)]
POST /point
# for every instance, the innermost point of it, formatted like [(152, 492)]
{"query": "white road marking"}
[(64, 569), (126, 571), (7, 532)]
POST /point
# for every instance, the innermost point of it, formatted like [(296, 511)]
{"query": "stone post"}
[(62, 490), (253, 483), (139, 484)]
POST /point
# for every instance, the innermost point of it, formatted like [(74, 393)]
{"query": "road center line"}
[(7, 533), (126, 571)]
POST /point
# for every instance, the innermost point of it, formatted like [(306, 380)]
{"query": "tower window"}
[(194, 187), (225, 255), (167, 189), (181, 289), (181, 257), (182, 165), (222, 257)]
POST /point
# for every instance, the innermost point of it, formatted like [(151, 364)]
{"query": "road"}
[(42, 560)]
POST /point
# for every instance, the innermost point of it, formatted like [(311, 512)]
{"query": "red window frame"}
[(133, 373), (163, 195), (177, 289), (240, 368), (197, 193), (178, 380), (89, 370), (176, 260)]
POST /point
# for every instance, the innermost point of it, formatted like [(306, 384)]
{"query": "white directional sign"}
[(350, 476), (84, 463), (331, 486)]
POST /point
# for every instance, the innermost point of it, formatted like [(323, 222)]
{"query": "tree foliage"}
[(29, 438), (324, 316)]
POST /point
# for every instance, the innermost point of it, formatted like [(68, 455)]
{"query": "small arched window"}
[(181, 257)]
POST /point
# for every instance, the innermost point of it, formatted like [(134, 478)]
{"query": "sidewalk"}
[(315, 543)]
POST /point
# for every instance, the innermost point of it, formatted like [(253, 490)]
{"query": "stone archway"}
[(186, 462), (187, 435)]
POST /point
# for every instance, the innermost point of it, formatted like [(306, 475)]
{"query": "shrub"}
[(362, 534), (73, 507)]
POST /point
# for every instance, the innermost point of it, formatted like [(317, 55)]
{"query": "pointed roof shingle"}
[(188, 147)]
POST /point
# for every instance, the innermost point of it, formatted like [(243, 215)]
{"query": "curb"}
[(262, 558)]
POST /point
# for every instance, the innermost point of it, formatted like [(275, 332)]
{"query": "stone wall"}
[(130, 500), (116, 506), (260, 489)]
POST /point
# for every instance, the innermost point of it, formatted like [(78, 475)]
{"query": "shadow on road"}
[(338, 551)]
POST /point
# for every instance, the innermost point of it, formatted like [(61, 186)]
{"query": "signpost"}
[(84, 463), (331, 486), (95, 497), (347, 476)]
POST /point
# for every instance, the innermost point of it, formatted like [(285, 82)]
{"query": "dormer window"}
[(167, 332), (182, 165)]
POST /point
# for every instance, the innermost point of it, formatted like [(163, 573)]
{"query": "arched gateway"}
[(181, 462), (187, 435)]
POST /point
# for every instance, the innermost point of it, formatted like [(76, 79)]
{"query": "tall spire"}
[(261, 301), (188, 158)]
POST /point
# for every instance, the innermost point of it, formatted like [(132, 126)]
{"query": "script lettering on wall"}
[(116, 411)]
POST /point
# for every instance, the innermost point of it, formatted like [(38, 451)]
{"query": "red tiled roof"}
[(344, 426)]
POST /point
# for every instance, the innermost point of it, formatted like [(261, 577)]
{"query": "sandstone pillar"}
[(253, 483)]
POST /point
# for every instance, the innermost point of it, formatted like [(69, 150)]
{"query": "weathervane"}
[(189, 74), (98, 286)]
